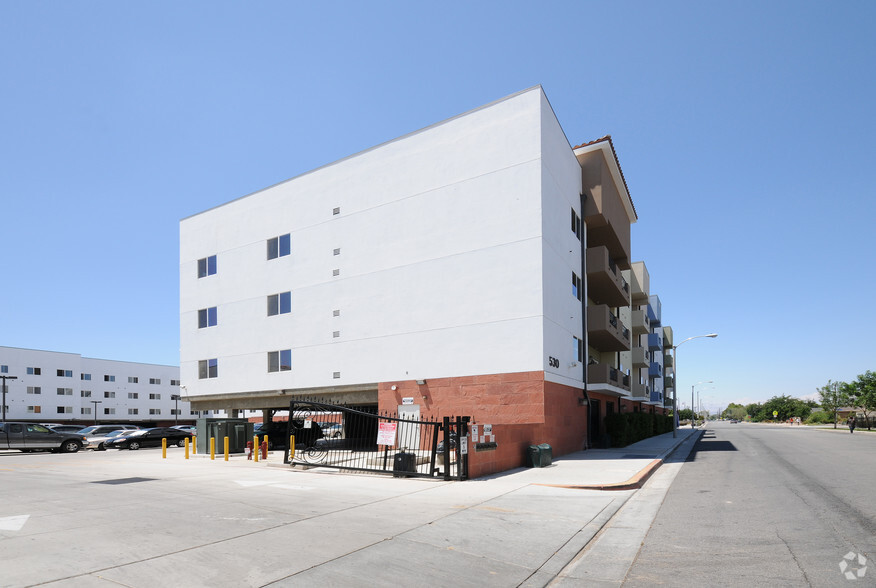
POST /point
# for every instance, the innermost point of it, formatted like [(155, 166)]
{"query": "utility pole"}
[(4, 393)]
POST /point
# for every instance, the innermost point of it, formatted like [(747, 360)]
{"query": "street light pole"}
[(95, 403), (4, 393), (675, 387)]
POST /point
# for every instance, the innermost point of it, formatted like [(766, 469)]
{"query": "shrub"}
[(820, 418)]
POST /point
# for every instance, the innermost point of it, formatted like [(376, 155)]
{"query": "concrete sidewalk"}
[(240, 523)]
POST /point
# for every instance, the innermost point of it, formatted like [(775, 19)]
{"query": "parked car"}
[(100, 429), (98, 442), (277, 433), (63, 428), (35, 437), (190, 428), (148, 438), (332, 430)]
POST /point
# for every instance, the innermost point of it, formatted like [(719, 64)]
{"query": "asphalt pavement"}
[(135, 519)]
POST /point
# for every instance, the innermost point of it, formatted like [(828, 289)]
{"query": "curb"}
[(633, 483)]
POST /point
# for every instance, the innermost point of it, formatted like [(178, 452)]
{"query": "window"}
[(109, 378), (133, 395), (336, 375), (85, 377), (174, 382), (34, 390), (337, 251), (34, 410), (154, 411), (280, 361), (336, 272), (155, 397), (154, 381), (577, 290), (85, 410), (4, 369), (175, 411), (65, 410), (133, 411), (85, 394), (208, 368), (133, 380), (206, 266), (34, 371), (336, 334), (576, 224), (279, 246), (279, 303), (65, 391), (109, 394), (578, 350), (336, 312), (336, 210), (207, 317), (109, 411), (65, 373)]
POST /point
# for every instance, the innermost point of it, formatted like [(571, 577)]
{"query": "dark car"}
[(148, 438), (278, 438)]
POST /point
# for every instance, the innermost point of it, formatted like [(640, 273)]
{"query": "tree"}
[(833, 397), (786, 407), (862, 393), (685, 414), (734, 411), (753, 410)]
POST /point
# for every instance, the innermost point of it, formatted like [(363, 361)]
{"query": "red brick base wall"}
[(523, 409)]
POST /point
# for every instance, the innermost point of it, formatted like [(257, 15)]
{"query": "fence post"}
[(446, 428)]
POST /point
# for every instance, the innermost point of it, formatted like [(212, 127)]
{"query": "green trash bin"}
[(534, 456), (547, 454)]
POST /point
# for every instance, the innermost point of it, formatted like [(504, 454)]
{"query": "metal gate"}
[(363, 440)]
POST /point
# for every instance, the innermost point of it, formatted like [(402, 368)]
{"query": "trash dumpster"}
[(539, 456), (403, 463)]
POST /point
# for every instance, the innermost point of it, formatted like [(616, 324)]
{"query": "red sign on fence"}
[(386, 433)]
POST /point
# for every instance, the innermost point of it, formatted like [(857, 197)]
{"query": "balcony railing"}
[(605, 284), (606, 331), (600, 373)]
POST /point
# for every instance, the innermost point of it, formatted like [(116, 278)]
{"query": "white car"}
[(97, 442)]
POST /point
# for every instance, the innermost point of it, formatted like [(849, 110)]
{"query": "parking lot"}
[(131, 518)]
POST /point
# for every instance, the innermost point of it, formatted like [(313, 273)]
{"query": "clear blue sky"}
[(745, 131)]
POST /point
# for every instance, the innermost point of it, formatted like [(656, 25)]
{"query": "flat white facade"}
[(445, 252), (58, 387)]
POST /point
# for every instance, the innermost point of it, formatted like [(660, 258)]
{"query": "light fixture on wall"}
[(421, 382), (394, 387)]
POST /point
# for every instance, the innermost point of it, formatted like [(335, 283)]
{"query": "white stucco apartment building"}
[(59, 387), (445, 266)]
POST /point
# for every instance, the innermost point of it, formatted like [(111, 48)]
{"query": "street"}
[(758, 505)]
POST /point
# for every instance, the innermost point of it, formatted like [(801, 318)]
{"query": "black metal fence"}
[(364, 440)]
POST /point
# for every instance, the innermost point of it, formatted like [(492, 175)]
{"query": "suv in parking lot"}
[(96, 430), (276, 432)]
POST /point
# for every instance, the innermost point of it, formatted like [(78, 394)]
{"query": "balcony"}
[(641, 357), (667, 356), (602, 373), (641, 322), (605, 331), (605, 284), (641, 391), (668, 382), (655, 370), (655, 343)]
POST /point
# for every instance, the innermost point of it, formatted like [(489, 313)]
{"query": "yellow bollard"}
[(163, 448), (187, 447), (265, 441), (194, 445), (291, 447), (226, 448), (212, 447)]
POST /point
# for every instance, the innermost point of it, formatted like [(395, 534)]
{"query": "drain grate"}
[(124, 481)]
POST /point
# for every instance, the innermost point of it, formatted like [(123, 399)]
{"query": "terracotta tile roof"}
[(616, 160)]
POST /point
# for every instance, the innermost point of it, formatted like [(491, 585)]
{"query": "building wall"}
[(107, 382), (442, 244)]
